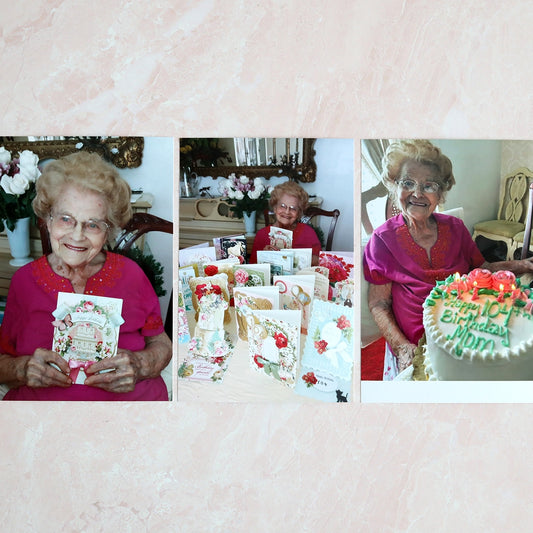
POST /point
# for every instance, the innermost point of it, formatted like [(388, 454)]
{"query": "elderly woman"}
[(288, 201), (412, 250), (84, 201)]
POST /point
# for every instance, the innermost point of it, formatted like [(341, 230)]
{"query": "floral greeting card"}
[(248, 299), (224, 266), (197, 256), (252, 275), (296, 292), (344, 292), (86, 330), (201, 286), (223, 244), (339, 264), (274, 344), (185, 274), (328, 353), (280, 238), (281, 262), (321, 290)]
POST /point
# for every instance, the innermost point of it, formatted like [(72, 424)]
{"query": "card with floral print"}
[(184, 275), (329, 344), (281, 262), (86, 330), (197, 256), (230, 246), (340, 267), (224, 266), (252, 275), (297, 293), (323, 386), (274, 344), (248, 299), (321, 290), (280, 238)]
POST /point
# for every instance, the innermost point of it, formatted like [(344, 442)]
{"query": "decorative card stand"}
[(274, 344), (86, 330), (327, 362)]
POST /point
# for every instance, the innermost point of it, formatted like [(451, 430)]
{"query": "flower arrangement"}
[(244, 195), (17, 186)]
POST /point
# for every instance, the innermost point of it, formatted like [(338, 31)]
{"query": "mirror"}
[(251, 156), (123, 152)]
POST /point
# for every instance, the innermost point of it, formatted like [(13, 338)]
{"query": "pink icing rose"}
[(503, 279), (482, 276)]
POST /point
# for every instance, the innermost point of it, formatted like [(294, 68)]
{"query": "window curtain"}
[(372, 151)]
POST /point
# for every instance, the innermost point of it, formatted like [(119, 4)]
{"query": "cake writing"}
[(477, 323)]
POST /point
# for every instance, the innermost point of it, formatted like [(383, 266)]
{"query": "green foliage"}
[(151, 267), (13, 207), (247, 205)]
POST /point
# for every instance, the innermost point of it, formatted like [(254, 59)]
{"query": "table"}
[(241, 382)]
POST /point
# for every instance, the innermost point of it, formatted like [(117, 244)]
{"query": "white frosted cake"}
[(479, 328)]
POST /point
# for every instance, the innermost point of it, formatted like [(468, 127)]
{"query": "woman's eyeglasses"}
[(430, 187), (88, 227), (291, 208)]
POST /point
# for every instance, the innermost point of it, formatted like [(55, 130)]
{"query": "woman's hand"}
[(404, 355), (271, 248), (123, 371), (39, 371), (115, 374)]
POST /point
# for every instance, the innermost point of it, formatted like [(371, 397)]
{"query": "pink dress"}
[(392, 256), (304, 236), (27, 323)]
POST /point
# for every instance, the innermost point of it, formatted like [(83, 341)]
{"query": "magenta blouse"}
[(27, 323), (304, 236), (392, 256)]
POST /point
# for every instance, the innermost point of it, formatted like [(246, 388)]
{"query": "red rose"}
[(281, 340), (343, 322), (321, 346), (260, 365), (310, 379), (211, 270)]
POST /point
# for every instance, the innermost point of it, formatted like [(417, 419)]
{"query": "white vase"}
[(19, 242), (249, 223)]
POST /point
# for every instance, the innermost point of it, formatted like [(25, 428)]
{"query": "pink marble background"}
[(358, 69)]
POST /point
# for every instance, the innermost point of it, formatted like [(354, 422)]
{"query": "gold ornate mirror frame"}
[(304, 172), (123, 152)]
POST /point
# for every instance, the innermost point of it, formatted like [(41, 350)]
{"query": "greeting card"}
[(197, 256), (86, 330), (217, 284), (248, 299), (281, 262), (230, 246), (344, 292), (183, 324), (302, 257), (274, 344), (321, 290), (327, 361), (224, 266), (210, 347), (252, 275), (280, 238), (184, 275), (296, 292)]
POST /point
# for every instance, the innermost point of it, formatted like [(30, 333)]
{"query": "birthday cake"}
[(479, 327)]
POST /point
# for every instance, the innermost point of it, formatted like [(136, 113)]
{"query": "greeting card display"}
[(274, 344), (281, 262), (280, 238), (183, 324), (248, 299), (86, 330), (252, 275), (210, 347), (296, 292), (327, 361)]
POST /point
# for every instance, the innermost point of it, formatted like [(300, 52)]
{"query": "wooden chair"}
[(523, 239), (139, 225), (512, 211), (309, 214)]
